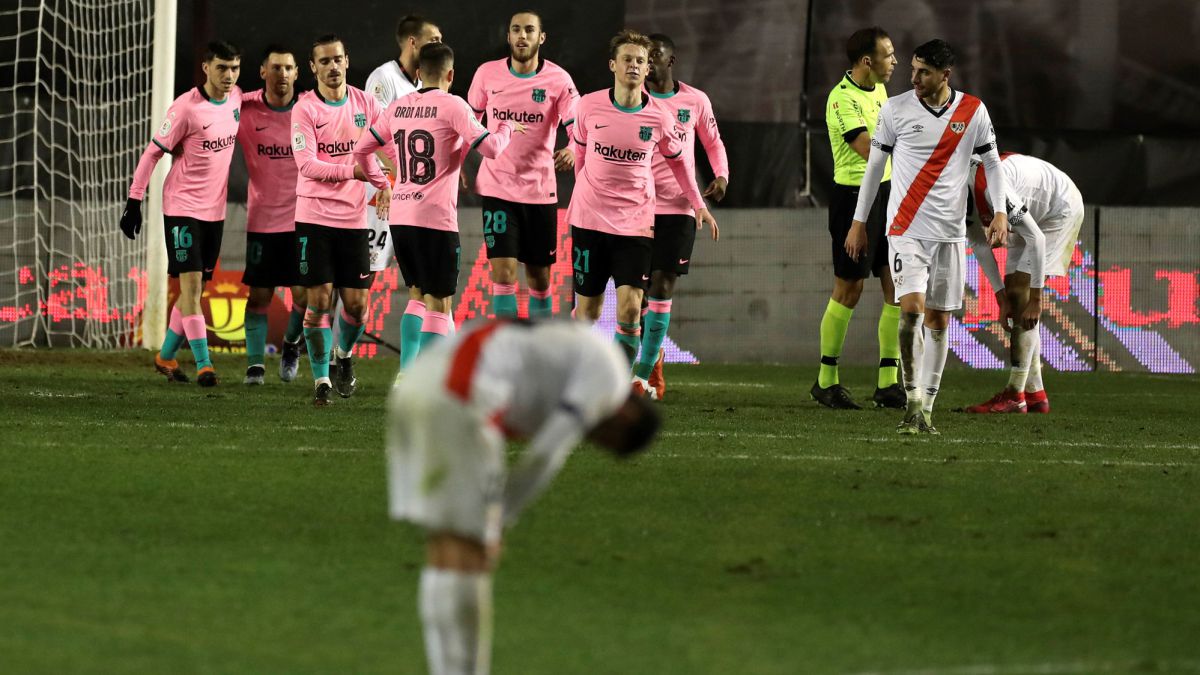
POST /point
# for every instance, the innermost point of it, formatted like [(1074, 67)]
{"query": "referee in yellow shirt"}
[(851, 114)]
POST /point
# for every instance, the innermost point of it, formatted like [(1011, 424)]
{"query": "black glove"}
[(131, 220)]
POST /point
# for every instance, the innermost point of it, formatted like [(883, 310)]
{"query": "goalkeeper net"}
[(75, 109)]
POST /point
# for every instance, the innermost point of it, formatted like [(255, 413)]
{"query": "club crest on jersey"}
[(645, 133), (958, 127), (684, 115), (237, 115), (539, 95), (360, 120)]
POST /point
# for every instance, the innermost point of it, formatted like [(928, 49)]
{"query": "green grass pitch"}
[(153, 528)]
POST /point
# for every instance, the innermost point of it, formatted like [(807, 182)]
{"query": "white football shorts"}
[(1062, 233), (380, 236), (935, 268), (446, 467)]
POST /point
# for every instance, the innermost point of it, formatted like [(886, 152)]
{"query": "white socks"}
[(910, 356), (933, 362), (1034, 383), (1022, 346), (456, 612)]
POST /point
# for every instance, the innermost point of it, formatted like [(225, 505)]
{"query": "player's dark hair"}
[(541, 24), (410, 27), (220, 49), (628, 37), (642, 429), (864, 43), (276, 48), (434, 58), (327, 39), (937, 53), (663, 39)]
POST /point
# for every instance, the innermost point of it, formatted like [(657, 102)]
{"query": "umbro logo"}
[(321, 125), (918, 128), (259, 128)]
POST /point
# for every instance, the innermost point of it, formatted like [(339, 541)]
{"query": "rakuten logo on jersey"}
[(614, 153), (337, 148), (274, 151), (218, 144), (521, 117)]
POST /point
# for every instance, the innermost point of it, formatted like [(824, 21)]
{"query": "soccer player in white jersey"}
[(553, 383), (387, 83), (930, 133), (1045, 211)]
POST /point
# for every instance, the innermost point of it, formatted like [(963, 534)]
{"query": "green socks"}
[(628, 337), (656, 321), (889, 346), (256, 337), (833, 335)]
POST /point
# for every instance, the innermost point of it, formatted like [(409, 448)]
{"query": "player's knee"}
[(936, 319), (847, 292), (662, 284), (538, 278), (454, 552), (504, 270)]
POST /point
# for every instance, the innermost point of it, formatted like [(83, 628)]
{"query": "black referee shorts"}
[(841, 213)]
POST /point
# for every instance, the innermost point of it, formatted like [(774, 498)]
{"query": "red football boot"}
[(656, 377), (1038, 401)]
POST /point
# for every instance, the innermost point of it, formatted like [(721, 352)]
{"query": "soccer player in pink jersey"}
[(618, 132), (427, 135), (519, 189), (388, 82), (265, 137), (331, 217), (199, 133), (449, 423), (674, 221), (931, 133)]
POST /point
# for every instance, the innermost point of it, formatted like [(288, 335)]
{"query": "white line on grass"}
[(1049, 668), (905, 459), (891, 440), (747, 385)]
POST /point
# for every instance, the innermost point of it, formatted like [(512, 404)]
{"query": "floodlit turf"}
[(154, 528)]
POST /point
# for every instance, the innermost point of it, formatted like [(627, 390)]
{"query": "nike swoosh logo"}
[(259, 128), (645, 278), (208, 270), (601, 126), (364, 276), (683, 261), (207, 125), (321, 125), (497, 91), (553, 251)]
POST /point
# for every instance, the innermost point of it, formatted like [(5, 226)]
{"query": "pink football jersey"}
[(693, 115), (265, 137), (199, 134), (323, 138), (614, 178), (541, 101), (428, 134)]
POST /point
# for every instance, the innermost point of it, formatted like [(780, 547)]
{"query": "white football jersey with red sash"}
[(931, 162)]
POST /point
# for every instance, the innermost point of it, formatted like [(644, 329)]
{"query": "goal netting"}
[(75, 114)]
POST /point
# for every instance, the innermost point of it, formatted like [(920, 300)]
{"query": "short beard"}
[(533, 52)]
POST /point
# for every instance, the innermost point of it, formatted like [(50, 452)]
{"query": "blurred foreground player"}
[(199, 133), (1045, 211), (555, 384)]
